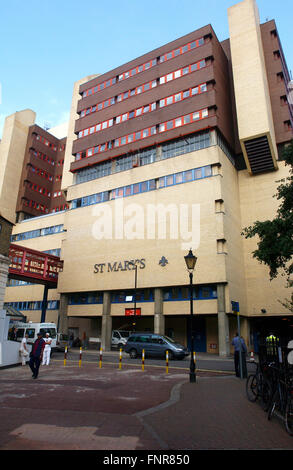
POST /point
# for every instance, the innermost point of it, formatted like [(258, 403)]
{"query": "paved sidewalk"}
[(88, 408)]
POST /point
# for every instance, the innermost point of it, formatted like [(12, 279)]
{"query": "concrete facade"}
[(198, 187)]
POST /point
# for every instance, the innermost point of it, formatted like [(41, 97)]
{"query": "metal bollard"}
[(65, 355), (142, 360), (167, 362), (120, 359), (80, 355), (101, 358)]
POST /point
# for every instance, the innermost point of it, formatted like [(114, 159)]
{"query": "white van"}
[(119, 338), (32, 329)]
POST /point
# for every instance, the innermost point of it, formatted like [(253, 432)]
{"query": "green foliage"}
[(275, 245)]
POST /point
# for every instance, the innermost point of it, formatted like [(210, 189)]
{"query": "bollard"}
[(142, 360), (65, 355), (167, 362), (80, 354), (120, 359), (252, 356), (101, 357)]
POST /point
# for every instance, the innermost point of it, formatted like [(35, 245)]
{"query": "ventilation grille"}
[(259, 155)]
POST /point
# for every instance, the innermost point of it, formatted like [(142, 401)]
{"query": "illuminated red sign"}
[(130, 312)]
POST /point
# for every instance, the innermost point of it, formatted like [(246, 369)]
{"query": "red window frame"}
[(143, 67)]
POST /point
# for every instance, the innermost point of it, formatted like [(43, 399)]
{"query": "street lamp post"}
[(135, 287), (190, 261)]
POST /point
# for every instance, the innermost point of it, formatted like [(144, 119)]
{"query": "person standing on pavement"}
[(239, 345), (36, 355), (47, 350), (23, 351)]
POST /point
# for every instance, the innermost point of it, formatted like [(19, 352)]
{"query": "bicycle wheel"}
[(274, 402), (252, 387), (266, 394), (289, 414)]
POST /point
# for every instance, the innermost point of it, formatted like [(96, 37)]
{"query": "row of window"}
[(145, 66), (41, 232), (54, 251), (123, 96), (183, 120), (145, 87), (181, 293), (40, 172), (46, 142), (17, 282), (33, 305), (145, 156), (35, 205), (62, 207), (44, 157), (144, 133), (39, 189), (144, 186), (182, 95)]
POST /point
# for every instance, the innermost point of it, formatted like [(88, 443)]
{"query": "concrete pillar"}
[(63, 318), (4, 266), (223, 322), (106, 332), (159, 319)]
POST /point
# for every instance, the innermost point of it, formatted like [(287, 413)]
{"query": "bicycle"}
[(259, 386), (282, 401)]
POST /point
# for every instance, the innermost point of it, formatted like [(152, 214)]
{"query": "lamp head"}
[(190, 261)]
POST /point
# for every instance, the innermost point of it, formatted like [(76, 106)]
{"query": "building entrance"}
[(199, 334)]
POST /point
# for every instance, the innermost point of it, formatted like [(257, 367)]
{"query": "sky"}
[(47, 46)]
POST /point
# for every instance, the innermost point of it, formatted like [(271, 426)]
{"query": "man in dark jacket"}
[(36, 355)]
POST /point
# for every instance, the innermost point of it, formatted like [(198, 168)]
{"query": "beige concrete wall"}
[(82, 250), (67, 177), (12, 150), (254, 113), (231, 225), (257, 203)]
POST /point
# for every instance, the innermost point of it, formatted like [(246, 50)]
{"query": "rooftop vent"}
[(259, 155)]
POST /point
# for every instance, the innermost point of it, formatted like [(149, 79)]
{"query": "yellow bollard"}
[(167, 362), (142, 360), (80, 355), (101, 357), (65, 355), (120, 359)]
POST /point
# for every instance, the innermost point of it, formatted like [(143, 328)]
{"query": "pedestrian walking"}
[(239, 346), (36, 355), (23, 351), (47, 350)]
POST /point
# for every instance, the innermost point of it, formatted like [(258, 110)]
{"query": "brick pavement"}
[(89, 408)]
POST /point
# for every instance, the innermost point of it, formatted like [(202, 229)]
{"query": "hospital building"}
[(178, 149)]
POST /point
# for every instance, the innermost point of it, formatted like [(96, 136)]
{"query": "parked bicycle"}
[(259, 386), (281, 403)]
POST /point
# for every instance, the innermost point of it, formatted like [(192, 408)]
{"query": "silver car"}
[(154, 346)]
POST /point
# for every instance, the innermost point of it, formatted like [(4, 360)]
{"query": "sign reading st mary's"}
[(119, 266)]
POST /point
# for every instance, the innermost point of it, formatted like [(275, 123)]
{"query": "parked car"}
[(154, 346), (119, 338)]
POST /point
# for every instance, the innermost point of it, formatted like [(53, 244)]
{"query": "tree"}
[(275, 245)]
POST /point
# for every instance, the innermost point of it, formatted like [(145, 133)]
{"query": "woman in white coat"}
[(47, 350), (23, 350)]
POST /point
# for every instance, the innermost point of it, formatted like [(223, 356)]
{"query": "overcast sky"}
[(46, 46)]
